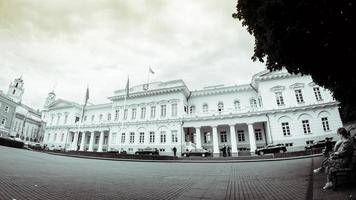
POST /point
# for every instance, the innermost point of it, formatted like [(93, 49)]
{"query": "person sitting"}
[(340, 158)]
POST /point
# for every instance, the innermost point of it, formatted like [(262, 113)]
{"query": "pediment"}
[(60, 103), (277, 88), (297, 86)]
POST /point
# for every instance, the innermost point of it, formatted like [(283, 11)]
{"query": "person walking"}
[(224, 150), (228, 151), (175, 151)]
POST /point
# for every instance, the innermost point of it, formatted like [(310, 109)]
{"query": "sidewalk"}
[(345, 191)]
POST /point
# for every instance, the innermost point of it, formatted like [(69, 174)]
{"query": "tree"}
[(314, 37)]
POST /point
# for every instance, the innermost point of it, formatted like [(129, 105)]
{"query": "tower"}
[(16, 90), (51, 97)]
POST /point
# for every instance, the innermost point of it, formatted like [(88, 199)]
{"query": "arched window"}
[(192, 109), (237, 105), (205, 107), (220, 106)]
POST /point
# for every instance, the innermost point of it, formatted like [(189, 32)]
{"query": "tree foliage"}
[(315, 37)]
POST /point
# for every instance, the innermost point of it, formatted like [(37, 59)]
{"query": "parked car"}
[(319, 144), (197, 152), (147, 151), (272, 148)]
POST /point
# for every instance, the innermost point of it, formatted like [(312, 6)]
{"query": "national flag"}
[(127, 88), (151, 71)]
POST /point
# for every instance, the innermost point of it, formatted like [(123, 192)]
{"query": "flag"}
[(85, 103), (151, 71), (127, 88)]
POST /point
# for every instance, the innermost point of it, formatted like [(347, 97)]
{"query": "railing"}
[(223, 112)]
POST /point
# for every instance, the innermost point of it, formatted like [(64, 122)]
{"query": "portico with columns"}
[(239, 134), (90, 140)]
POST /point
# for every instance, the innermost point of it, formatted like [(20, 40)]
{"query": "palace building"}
[(276, 107)]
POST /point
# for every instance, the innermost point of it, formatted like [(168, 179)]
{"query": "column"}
[(268, 133), (101, 140), (198, 137), (91, 142), (234, 151), (216, 152), (252, 139), (109, 141), (82, 143), (75, 141)]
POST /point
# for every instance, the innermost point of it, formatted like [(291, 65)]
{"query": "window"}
[(285, 129), (317, 94), (52, 118), (113, 138), (132, 137), (223, 136), (241, 136), (258, 134), (192, 109), (85, 118), (7, 109), (309, 142), (279, 99), (92, 117), (220, 107), (55, 137), (306, 126), (143, 112), (174, 136), (237, 105), (163, 110), (142, 137), (62, 137), (109, 117), (163, 136), (152, 137), (96, 139), (3, 121), (207, 138), (205, 108), (153, 111), (116, 115), (299, 96), (174, 109), (49, 136), (125, 114), (253, 103), (122, 137), (100, 117), (133, 113), (325, 123), (14, 91), (65, 118), (105, 140), (88, 139), (58, 119)]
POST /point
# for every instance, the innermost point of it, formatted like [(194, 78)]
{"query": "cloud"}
[(70, 44)]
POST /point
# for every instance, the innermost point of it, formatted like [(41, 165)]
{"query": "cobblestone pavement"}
[(32, 175)]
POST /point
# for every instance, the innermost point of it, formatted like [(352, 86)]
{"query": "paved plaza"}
[(33, 175)]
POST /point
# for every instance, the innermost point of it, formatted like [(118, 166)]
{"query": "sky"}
[(66, 45)]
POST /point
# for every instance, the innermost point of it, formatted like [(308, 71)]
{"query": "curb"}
[(187, 161)]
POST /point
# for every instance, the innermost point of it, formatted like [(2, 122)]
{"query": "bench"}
[(348, 173)]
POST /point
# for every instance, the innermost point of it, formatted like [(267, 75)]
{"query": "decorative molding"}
[(297, 86), (278, 88)]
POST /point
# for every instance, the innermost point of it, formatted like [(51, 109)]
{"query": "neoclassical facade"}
[(276, 107)]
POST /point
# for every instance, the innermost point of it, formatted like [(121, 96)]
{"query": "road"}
[(26, 174)]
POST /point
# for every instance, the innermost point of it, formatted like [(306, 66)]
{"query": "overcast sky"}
[(67, 45)]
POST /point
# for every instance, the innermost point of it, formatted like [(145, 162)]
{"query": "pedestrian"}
[(223, 150), (174, 151), (228, 151)]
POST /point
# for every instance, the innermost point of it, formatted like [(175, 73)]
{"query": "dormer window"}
[(299, 96), (317, 94), (253, 103)]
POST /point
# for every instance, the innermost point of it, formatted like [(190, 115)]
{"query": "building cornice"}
[(222, 90)]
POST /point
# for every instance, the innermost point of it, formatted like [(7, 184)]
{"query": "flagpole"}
[(81, 118), (122, 121), (148, 76)]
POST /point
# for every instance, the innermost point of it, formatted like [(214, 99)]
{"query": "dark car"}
[(197, 152), (319, 144), (147, 151), (272, 148)]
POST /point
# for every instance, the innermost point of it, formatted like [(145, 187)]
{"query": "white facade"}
[(164, 115)]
